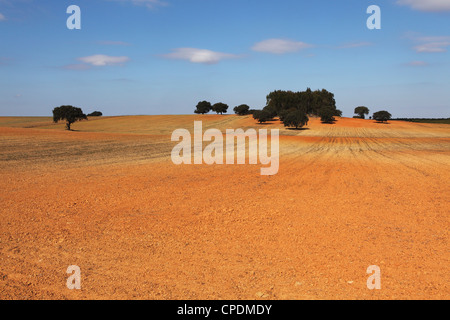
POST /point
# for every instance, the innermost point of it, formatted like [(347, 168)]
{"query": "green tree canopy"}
[(242, 110), (295, 118), (361, 111), (309, 101), (382, 116), (285, 112), (68, 113), (220, 108), (261, 116), (271, 111), (203, 107), (327, 114)]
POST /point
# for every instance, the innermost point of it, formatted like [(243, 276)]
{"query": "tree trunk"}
[(68, 125)]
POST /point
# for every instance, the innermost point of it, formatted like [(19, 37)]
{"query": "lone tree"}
[(203, 107), (220, 108), (361, 111), (295, 118), (95, 114), (261, 116), (68, 113), (382, 116), (242, 110)]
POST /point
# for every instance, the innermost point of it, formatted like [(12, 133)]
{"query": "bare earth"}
[(108, 199)]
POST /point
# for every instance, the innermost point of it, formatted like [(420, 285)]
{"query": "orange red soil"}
[(108, 199)]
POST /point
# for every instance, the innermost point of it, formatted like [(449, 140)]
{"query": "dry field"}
[(107, 198)]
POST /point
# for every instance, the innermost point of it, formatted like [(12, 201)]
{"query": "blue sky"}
[(162, 57)]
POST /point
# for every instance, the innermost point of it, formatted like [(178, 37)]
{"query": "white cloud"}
[(101, 60), (432, 44), (280, 46), (199, 55), (427, 5), (2, 17), (147, 3)]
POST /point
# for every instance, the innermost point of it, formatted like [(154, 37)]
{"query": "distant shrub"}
[(425, 120), (95, 114)]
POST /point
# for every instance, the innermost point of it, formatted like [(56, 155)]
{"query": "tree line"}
[(294, 108)]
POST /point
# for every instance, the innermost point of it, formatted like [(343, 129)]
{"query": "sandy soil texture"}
[(108, 199)]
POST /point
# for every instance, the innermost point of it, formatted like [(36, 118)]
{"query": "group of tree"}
[(295, 108), (204, 107), (379, 116), (71, 114)]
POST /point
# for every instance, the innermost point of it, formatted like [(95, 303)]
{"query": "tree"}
[(382, 116), (284, 113), (295, 118), (361, 111), (327, 114), (261, 116), (68, 113), (220, 108), (242, 110), (322, 98), (203, 107), (270, 111), (95, 114)]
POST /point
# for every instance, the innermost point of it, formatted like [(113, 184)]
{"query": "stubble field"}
[(108, 199)]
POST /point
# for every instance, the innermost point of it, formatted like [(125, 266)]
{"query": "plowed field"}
[(108, 199)]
